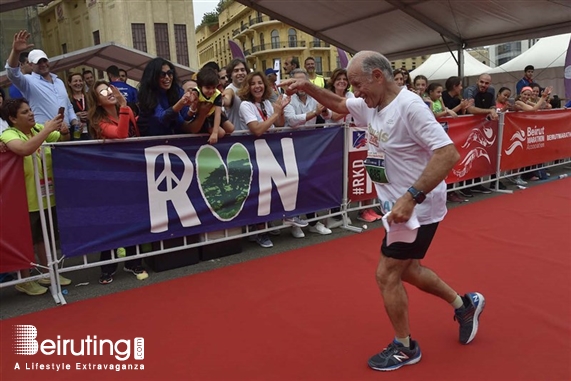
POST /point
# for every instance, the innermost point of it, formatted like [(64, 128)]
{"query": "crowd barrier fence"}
[(491, 150)]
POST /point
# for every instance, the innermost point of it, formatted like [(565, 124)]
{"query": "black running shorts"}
[(413, 250)]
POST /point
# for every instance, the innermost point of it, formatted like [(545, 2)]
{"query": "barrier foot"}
[(352, 228), (506, 191)]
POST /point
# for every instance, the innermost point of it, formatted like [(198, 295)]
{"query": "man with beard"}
[(314, 78), (484, 102), (44, 90), (238, 69)]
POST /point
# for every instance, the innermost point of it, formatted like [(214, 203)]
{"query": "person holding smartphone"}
[(24, 137)]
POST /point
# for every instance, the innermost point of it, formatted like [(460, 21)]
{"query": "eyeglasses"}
[(106, 92), (169, 73)]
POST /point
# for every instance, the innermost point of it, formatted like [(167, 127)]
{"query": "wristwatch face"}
[(417, 195)]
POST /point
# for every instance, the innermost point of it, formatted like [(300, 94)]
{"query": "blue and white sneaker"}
[(468, 316), (395, 356), (295, 221)]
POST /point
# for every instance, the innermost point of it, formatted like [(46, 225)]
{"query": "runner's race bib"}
[(375, 166)]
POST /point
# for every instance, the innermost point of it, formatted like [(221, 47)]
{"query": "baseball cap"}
[(271, 71), (36, 55)]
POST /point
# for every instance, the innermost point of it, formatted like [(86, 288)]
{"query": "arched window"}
[(262, 42), (292, 38), (275, 39)]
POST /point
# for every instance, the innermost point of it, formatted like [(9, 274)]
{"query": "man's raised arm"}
[(325, 97)]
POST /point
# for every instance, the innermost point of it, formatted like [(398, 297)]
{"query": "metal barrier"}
[(347, 206)]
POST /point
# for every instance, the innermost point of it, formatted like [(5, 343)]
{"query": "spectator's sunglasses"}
[(106, 92), (163, 74)]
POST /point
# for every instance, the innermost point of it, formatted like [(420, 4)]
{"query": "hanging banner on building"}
[(118, 194), (476, 139), (359, 187), (535, 137), (16, 248)]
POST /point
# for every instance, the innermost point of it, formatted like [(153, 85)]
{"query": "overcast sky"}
[(201, 7)]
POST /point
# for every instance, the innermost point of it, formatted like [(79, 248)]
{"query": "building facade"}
[(163, 28), (12, 22), (262, 39)]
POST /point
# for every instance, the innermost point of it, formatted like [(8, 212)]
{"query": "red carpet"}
[(316, 314)]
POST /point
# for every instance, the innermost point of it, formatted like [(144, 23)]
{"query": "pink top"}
[(112, 128)]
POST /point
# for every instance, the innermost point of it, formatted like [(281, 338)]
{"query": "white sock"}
[(458, 302), (404, 341)]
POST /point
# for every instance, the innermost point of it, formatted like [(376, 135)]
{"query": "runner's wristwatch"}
[(418, 196)]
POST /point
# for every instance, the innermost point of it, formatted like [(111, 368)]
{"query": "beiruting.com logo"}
[(25, 343)]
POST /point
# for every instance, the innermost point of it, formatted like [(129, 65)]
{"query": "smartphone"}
[(61, 111)]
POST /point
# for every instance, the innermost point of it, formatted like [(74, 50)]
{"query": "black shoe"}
[(480, 189), (502, 186), (105, 278), (466, 192), (468, 316), (396, 355)]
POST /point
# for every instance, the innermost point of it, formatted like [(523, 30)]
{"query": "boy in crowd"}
[(216, 124)]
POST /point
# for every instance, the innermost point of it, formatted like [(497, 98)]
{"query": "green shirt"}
[(13, 133)]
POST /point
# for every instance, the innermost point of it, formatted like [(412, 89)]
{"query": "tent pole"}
[(461, 62)]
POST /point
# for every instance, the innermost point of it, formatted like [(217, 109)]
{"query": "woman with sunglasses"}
[(163, 104), (111, 118)]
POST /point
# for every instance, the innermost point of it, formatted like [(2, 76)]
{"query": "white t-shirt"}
[(3, 125), (250, 112), (406, 133), (233, 113), (348, 117)]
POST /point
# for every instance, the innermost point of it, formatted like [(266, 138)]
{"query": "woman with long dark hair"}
[(163, 104)]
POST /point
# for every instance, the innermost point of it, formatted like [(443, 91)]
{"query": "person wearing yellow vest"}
[(314, 78), (216, 123), (24, 137)]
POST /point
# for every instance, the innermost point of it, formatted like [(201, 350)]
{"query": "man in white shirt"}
[(409, 157), (301, 111), (44, 90)]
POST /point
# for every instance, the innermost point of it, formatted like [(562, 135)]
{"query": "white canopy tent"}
[(102, 56), (442, 66), (548, 58)]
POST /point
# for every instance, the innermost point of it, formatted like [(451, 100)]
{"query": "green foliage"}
[(210, 18)]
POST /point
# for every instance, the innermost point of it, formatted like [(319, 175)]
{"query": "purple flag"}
[(236, 51), (343, 58), (568, 72)]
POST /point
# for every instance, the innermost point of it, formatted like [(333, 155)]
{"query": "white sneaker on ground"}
[(297, 232), (319, 228)]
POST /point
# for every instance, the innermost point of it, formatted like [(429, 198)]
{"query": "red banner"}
[(535, 137), (476, 139), (360, 187), (16, 248)]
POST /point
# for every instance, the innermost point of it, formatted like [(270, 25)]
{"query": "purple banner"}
[(343, 60), (568, 73), (118, 194), (236, 51)]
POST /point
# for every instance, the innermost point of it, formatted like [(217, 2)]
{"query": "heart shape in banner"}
[(224, 186)]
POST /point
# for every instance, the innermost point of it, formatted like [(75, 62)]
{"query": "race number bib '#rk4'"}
[(375, 166)]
